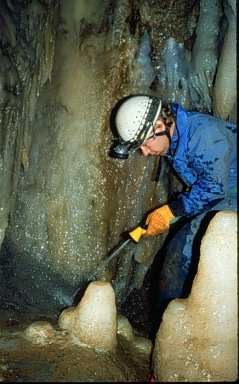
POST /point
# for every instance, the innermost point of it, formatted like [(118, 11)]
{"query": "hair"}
[(167, 115)]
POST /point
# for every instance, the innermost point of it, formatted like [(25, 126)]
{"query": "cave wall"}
[(64, 202), (71, 202), (26, 64)]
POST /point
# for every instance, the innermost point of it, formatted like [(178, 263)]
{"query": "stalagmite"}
[(39, 332), (93, 322), (67, 318), (124, 328), (142, 345), (197, 339)]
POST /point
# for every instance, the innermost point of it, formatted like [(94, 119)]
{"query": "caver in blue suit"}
[(203, 154)]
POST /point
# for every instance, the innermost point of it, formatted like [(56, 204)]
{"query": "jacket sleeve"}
[(211, 165)]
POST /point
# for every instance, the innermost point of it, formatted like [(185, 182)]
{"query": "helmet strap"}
[(164, 133)]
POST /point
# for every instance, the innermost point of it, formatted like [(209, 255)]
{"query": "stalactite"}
[(205, 54), (188, 76), (26, 80), (142, 73), (174, 73), (225, 89), (8, 29), (121, 12)]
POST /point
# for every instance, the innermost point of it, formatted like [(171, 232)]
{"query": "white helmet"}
[(136, 117), (134, 122)]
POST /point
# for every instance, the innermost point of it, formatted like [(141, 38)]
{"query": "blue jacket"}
[(203, 154)]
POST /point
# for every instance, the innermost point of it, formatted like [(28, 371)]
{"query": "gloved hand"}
[(159, 220)]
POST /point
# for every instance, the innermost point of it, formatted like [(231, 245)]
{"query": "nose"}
[(145, 151)]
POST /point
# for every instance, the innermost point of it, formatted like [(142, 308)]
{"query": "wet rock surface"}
[(198, 337), (59, 359), (56, 166), (93, 321)]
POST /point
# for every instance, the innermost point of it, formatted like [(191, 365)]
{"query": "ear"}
[(159, 126)]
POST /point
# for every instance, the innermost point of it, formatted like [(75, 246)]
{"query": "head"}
[(157, 144), (145, 123)]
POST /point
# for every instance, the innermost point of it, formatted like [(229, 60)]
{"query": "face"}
[(156, 145)]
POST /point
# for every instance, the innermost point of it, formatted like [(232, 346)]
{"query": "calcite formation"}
[(225, 88), (197, 339), (64, 193), (139, 344), (124, 328), (142, 345), (67, 318), (40, 332), (94, 321)]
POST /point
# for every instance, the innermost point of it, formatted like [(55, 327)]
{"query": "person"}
[(201, 149)]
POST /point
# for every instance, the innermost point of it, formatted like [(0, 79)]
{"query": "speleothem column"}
[(94, 321), (197, 339)]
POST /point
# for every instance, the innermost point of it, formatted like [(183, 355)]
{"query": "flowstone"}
[(197, 339)]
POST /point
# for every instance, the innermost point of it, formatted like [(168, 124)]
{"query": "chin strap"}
[(164, 133)]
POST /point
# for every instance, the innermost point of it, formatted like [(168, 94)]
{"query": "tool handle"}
[(137, 233)]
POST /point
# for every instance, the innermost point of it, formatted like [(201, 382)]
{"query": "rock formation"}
[(40, 332), (197, 339), (93, 322), (225, 88)]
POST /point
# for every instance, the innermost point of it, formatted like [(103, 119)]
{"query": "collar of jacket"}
[(180, 131), (179, 148)]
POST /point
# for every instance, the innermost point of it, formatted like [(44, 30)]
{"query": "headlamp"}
[(122, 149), (119, 151)]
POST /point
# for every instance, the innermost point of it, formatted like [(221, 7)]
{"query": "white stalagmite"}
[(94, 321), (197, 339)]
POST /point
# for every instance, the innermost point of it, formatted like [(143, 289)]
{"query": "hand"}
[(159, 220)]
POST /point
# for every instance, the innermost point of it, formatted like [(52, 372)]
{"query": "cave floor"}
[(60, 360)]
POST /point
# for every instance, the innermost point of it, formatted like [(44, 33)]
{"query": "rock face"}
[(57, 180), (94, 321), (197, 339)]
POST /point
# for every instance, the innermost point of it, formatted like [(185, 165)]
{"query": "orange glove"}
[(159, 220)]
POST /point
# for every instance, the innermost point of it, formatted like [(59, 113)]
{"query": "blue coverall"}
[(203, 154)]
